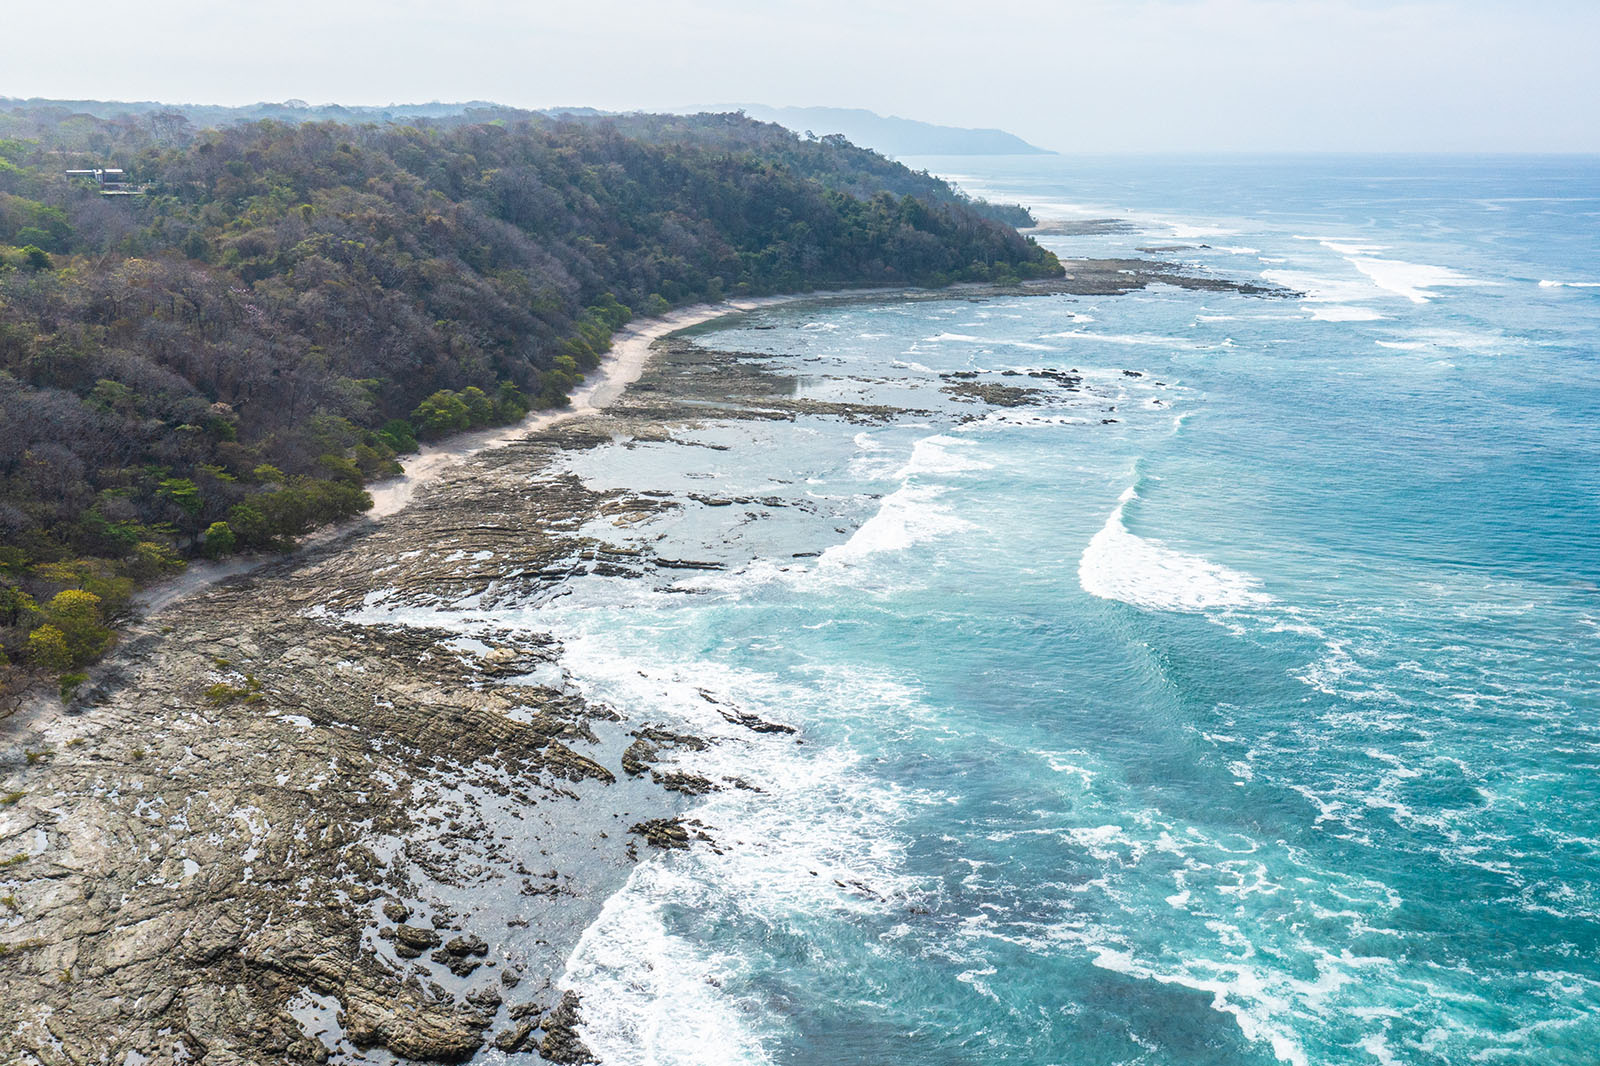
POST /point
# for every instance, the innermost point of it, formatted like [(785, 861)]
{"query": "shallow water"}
[(1240, 706)]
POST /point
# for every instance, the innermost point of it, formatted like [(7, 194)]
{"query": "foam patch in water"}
[(1119, 565)]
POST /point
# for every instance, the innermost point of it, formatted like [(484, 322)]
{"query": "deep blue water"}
[(1240, 707)]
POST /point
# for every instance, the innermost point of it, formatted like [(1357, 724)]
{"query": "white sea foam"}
[(1260, 1022), (1569, 284), (1410, 280), (1319, 289), (907, 516), (1119, 565), (650, 997), (1248, 318), (1189, 231), (819, 840), (1123, 338), (1345, 245), (1343, 313), (1458, 339), (911, 514), (950, 337), (942, 454)]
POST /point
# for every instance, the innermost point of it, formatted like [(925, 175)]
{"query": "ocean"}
[(1239, 705)]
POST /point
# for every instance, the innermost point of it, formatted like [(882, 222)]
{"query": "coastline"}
[(621, 366), (625, 361), (439, 812), (385, 837)]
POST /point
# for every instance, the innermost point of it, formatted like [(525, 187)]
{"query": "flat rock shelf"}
[(273, 832)]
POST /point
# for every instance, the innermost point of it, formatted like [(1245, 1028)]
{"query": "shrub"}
[(219, 540), (398, 434), (221, 694), (69, 685), (150, 560), (75, 615), (480, 409), (47, 646), (443, 412)]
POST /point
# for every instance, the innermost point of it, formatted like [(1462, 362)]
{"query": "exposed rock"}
[(467, 945), (637, 757), (486, 999), (688, 784), (180, 874), (561, 1043), (666, 833), (994, 394), (414, 937), (518, 1038)]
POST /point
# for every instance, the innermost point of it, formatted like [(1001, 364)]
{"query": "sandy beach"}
[(384, 837), (318, 818), (622, 365)]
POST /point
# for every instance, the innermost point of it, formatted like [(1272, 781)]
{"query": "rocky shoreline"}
[(283, 827)]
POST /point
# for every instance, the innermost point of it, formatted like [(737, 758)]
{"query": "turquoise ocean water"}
[(1241, 706)]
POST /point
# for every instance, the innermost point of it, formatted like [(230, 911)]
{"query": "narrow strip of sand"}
[(622, 365)]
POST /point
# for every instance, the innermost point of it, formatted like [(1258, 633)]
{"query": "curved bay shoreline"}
[(278, 831)]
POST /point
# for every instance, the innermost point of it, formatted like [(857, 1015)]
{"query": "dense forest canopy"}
[(220, 362)]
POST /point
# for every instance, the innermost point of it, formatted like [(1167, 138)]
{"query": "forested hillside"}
[(220, 363)]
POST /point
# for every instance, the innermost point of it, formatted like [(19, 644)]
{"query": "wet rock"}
[(994, 394), (666, 833), (467, 945), (755, 723), (396, 911), (518, 1011), (486, 998), (410, 1028), (637, 757), (460, 965), (416, 938), (688, 784), (518, 1038), (561, 1043)]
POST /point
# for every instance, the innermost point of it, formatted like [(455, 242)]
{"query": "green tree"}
[(480, 409), (16, 606), (47, 646), (443, 412), (219, 540), (184, 493), (398, 434), (75, 615)]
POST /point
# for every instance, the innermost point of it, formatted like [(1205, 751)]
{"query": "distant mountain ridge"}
[(890, 135), (893, 135), (208, 115)]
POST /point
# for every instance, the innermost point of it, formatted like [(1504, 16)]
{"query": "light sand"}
[(622, 365)]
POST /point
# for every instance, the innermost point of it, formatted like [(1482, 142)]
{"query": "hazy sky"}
[(1075, 75)]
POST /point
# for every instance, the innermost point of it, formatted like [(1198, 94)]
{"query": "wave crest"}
[(1120, 565)]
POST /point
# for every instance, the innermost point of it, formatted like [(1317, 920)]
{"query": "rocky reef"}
[(285, 821)]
